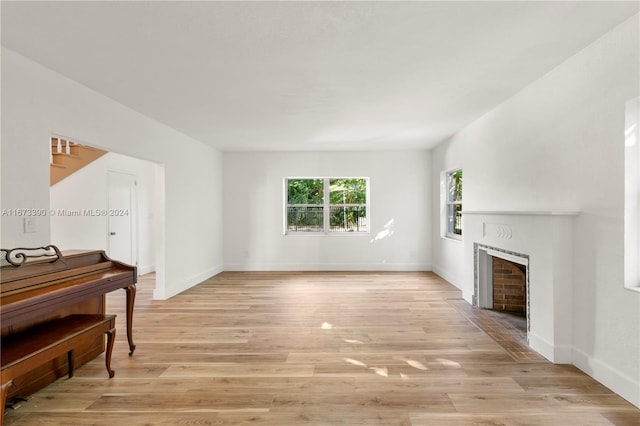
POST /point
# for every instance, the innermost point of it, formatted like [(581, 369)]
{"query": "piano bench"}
[(21, 352)]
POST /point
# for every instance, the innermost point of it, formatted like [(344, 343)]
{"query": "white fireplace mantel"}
[(546, 239)]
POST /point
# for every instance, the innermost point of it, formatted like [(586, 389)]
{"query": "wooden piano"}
[(40, 285)]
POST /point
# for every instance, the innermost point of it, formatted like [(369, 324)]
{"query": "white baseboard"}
[(626, 387), (452, 279), (558, 354), (542, 346), (328, 267), (563, 354), (455, 281), (164, 293)]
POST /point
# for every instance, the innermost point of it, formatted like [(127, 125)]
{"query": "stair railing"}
[(62, 145)]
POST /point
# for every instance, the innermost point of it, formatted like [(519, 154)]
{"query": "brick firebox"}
[(509, 287)]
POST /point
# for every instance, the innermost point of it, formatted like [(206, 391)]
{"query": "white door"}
[(121, 217)]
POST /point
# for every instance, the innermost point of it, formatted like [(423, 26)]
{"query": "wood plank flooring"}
[(319, 349)]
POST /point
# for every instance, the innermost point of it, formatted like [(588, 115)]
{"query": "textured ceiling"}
[(307, 75)]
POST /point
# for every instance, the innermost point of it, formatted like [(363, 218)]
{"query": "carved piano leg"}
[(131, 297), (111, 337)]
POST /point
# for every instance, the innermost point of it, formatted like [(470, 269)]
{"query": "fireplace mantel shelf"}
[(522, 212)]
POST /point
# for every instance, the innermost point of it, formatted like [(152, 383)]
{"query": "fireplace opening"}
[(509, 287), (502, 287)]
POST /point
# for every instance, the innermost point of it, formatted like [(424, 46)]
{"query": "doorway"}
[(122, 221)]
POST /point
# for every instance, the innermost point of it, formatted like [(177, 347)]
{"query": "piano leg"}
[(131, 297), (3, 395), (70, 364), (111, 334)]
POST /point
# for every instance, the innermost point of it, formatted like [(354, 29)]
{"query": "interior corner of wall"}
[(624, 385), (542, 346), (159, 294)]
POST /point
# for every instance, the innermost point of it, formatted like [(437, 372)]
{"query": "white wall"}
[(87, 189), (399, 212), (558, 145), (36, 102)]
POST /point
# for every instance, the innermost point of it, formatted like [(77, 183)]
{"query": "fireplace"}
[(540, 244)]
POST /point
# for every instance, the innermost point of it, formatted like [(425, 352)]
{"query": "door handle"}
[(112, 233)]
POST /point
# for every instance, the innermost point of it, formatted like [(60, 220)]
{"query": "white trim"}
[(626, 387), (450, 278), (522, 212), (484, 298), (631, 280), (542, 346), (365, 267), (301, 234), (161, 294), (326, 206), (450, 236)]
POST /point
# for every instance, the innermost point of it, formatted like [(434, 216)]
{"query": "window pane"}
[(454, 216), (455, 186), (348, 219), (305, 219), (310, 209), (348, 191), (304, 191)]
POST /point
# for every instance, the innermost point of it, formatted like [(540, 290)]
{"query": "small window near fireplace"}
[(632, 195), (452, 196)]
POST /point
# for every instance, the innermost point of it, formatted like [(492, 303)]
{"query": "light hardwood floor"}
[(319, 349)]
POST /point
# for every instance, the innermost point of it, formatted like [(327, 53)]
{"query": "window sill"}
[(635, 289), (337, 234), (450, 238)]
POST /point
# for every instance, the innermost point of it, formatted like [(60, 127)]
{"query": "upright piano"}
[(41, 284)]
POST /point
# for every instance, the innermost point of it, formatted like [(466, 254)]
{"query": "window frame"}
[(632, 195), (326, 205), (447, 218)]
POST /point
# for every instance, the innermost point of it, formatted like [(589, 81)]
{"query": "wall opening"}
[(82, 213)]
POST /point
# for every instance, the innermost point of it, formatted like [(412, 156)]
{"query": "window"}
[(326, 206), (454, 204), (632, 196)]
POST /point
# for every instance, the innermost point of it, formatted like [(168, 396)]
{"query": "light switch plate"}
[(29, 225)]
